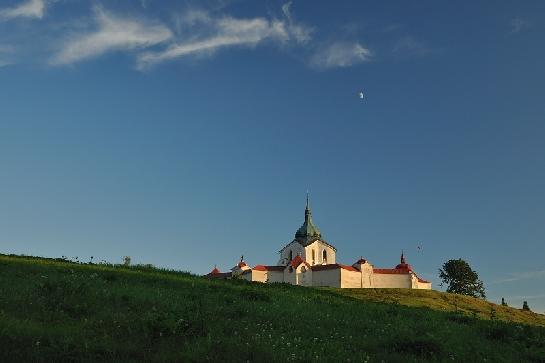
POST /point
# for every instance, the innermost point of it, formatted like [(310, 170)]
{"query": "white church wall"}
[(366, 275), (259, 276), (295, 248), (304, 275), (275, 276), (330, 278), (392, 281), (290, 275), (424, 285), (319, 247), (246, 276), (350, 279)]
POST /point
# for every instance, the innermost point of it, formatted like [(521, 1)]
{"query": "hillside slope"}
[(442, 301), (61, 311)]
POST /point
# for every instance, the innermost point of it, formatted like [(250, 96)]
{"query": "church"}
[(309, 260)]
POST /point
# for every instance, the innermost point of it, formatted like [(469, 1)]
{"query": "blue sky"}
[(186, 134)]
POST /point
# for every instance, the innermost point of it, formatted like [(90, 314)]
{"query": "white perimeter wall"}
[(392, 281), (275, 276), (330, 278)]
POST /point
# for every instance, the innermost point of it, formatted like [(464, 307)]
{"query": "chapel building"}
[(309, 260)]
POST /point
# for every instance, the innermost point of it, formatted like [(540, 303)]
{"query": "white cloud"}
[(6, 52), (518, 24), (286, 10), (409, 46), (300, 33), (340, 54), (112, 33), (6, 49), (208, 34), (517, 276), (28, 9)]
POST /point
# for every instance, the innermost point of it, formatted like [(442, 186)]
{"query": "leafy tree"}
[(127, 260), (525, 306), (461, 279)]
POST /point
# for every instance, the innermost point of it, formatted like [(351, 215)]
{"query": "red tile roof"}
[(296, 261), (214, 271), (269, 268), (333, 266), (421, 280), (390, 271), (221, 275)]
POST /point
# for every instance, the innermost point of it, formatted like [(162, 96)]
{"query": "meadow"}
[(57, 310)]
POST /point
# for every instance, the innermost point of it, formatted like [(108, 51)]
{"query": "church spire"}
[(308, 212), (308, 232)]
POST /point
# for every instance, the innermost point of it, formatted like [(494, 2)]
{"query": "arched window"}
[(291, 255), (303, 269), (324, 256), (313, 257)]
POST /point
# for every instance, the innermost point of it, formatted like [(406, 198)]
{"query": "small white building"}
[(308, 260)]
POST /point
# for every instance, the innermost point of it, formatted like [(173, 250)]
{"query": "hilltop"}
[(52, 309)]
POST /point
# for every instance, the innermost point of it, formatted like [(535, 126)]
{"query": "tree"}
[(525, 306), (127, 260), (503, 303), (461, 279)]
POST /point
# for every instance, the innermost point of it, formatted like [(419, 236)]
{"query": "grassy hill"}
[(53, 310)]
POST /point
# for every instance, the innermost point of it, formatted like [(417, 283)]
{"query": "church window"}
[(290, 269), (291, 255), (324, 256), (303, 269), (313, 256)]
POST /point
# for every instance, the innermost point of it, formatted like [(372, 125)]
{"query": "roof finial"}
[(402, 257), (308, 200), (241, 258)]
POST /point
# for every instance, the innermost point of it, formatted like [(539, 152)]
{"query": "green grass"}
[(59, 311), (446, 302)]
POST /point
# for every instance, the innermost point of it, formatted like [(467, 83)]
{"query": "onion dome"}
[(215, 271), (308, 232), (403, 265), (361, 261), (242, 263)]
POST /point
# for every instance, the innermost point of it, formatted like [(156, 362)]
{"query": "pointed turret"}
[(308, 232), (403, 265)]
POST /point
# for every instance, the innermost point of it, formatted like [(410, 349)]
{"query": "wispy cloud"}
[(6, 53), (112, 33), (526, 297), (518, 24), (340, 54), (409, 46), (28, 9), (208, 34), (517, 276)]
